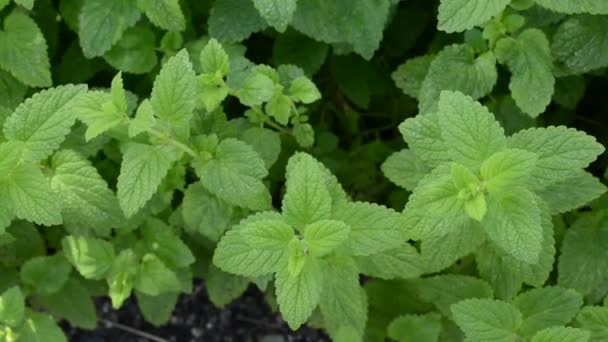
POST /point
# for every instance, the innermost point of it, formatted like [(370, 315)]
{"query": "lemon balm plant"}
[(378, 169)]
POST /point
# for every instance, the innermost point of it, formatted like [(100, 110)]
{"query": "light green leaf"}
[(561, 151), (267, 234), (212, 91), (23, 51), (144, 119), (529, 58), (409, 76), (12, 307), (581, 43), (513, 222), (92, 257), (324, 236), (121, 277), (507, 169), (343, 301), (266, 142), (43, 121), (135, 52), (456, 68), (174, 93), (561, 334), (582, 262), (46, 274), (579, 6), (405, 169), (165, 14), (86, 199), (214, 59), (304, 134), (223, 287), (461, 15), (445, 290), (143, 169), (402, 262), (40, 327), (96, 110), (373, 228), (307, 199), (337, 28), (572, 192), (462, 177), (12, 93), (232, 21), (72, 303), (234, 175), (595, 320), (160, 238), (298, 295), (280, 108), (423, 136), (101, 24), (204, 213), (255, 89), (277, 13), (410, 328), (155, 278), (28, 4), (303, 90), (487, 319), (470, 131), (546, 307)]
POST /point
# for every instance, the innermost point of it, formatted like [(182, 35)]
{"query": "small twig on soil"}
[(133, 331), (258, 322)]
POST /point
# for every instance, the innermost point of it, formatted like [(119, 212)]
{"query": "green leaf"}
[(72, 303), (214, 59), (96, 110), (144, 119), (401, 262), (212, 91), (572, 192), (223, 287), (28, 4), (529, 58), (158, 237), (324, 236), (409, 76), (580, 43), (487, 319), (277, 13), (42, 121), (507, 169), (298, 295), (582, 262), (135, 52), (204, 213), (513, 222), (423, 136), (561, 151), (155, 278), (40, 327), (405, 169), (280, 108), (165, 14), (255, 89), (307, 199), (448, 289), (235, 175), (561, 334), (101, 24), (142, 170), (337, 28), (461, 15), (46, 274), (235, 254), (470, 131), (373, 228), (410, 328), (304, 134), (457, 68), (442, 251), (157, 309), (266, 142), (581, 6), (121, 277), (174, 93), (595, 320), (546, 307), (23, 51), (267, 234), (462, 177), (92, 257), (294, 48), (343, 302), (232, 21), (12, 93), (12, 307), (86, 199), (303, 90)]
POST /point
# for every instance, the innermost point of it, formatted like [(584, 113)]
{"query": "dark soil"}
[(249, 318)]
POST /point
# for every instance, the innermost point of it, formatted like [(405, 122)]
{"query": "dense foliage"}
[(413, 170)]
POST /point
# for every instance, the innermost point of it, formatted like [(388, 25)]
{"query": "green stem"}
[(173, 142), (277, 127)]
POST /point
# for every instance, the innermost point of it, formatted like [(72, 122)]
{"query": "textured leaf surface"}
[(445, 290), (43, 121), (572, 192), (410, 75), (166, 14), (204, 213), (581, 43), (277, 13), (595, 320), (401, 262), (101, 23), (415, 328), (508, 168), (134, 52), (324, 236), (232, 21), (155, 278), (404, 168), (461, 15), (561, 334), (423, 136), (487, 320), (580, 6), (46, 274), (23, 51), (73, 303), (40, 327), (92, 257)]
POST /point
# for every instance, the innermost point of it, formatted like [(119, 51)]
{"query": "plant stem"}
[(277, 127), (173, 142), (133, 331)]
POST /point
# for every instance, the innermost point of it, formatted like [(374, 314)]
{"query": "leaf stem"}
[(173, 142), (276, 126)]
